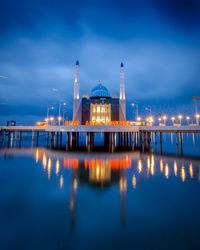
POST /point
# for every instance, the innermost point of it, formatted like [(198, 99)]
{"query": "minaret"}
[(76, 81), (76, 102), (122, 98), (122, 86)]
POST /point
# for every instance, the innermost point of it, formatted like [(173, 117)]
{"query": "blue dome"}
[(100, 91)]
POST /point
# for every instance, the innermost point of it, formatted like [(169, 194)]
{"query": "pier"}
[(113, 136)]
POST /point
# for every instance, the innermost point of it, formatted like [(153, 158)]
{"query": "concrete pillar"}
[(141, 139), (133, 140), (177, 138), (32, 136), (149, 138), (61, 139), (3, 137), (52, 139), (37, 138), (47, 139), (20, 138), (68, 141), (181, 142), (155, 138), (73, 140), (161, 142), (106, 139), (77, 139)]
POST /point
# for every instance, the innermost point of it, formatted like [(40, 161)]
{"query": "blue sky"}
[(158, 41)]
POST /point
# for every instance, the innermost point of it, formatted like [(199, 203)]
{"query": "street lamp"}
[(180, 118), (188, 120), (196, 100), (149, 108), (48, 111), (197, 118), (46, 120), (173, 119), (59, 119), (59, 111), (164, 119), (151, 120), (134, 104), (51, 120), (64, 112)]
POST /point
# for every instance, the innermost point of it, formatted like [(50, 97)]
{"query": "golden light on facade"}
[(134, 181), (183, 174), (100, 113), (138, 119)]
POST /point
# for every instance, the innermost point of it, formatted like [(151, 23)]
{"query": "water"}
[(51, 199)]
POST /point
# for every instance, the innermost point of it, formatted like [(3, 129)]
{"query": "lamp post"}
[(59, 119), (180, 118), (64, 111), (197, 118), (151, 120), (150, 110), (51, 120), (164, 119), (188, 120), (134, 104), (173, 119), (59, 111), (196, 99), (48, 111)]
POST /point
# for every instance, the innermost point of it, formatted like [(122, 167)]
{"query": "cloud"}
[(158, 41)]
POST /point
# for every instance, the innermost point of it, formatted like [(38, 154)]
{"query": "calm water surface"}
[(59, 200)]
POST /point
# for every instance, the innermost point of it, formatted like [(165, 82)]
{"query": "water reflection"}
[(122, 170)]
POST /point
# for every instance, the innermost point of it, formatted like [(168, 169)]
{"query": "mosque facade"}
[(100, 107)]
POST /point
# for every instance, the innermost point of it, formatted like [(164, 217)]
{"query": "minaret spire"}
[(77, 100), (122, 97), (76, 81), (122, 85)]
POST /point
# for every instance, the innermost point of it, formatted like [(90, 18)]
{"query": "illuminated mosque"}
[(100, 107)]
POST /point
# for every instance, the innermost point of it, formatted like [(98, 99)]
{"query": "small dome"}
[(100, 91)]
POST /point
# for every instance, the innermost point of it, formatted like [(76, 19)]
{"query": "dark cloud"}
[(159, 42)]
